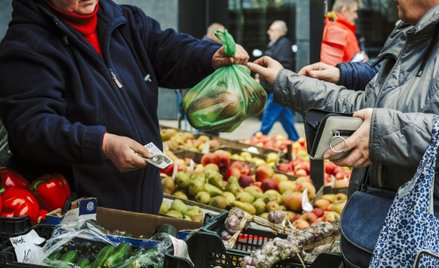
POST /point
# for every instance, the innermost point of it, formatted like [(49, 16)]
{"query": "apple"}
[(269, 184), (304, 179), (341, 183), (318, 211), (284, 167), (271, 206), (209, 158), (300, 224), (300, 187), (232, 172), (329, 167), (263, 172), (277, 177), (322, 203), (338, 207), (272, 157), (309, 217), (331, 216), (245, 180), (295, 217), (293, 201), (300, 172), (223, 158), (340, 197), (286, 186)]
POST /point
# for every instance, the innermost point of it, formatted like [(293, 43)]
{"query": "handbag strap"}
[(429, 156)]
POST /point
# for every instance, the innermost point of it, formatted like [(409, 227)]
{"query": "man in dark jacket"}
[(79, 86), (280, 49)]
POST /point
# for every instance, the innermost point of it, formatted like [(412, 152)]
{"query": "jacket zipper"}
[(115, 79)]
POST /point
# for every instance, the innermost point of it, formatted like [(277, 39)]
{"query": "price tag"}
[(306, 205), (180, 248), (27, 247), (205, 148)]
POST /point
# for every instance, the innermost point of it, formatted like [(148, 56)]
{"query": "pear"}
[(254, 191), (182, 179), (218, 202), (249, 208), (179, 205), (273, 195), (197, 218), (192, 212), (195, 209), (164, 207), (211, 166), (195, 186), (202, 197), (174, 214), (181, 195), (230, 197), (233, 186), (245, 197), (215, 178), (198, 177), (168, 185), (212, 190), (259, 205)]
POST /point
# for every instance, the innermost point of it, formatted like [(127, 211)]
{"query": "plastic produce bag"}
[(222, 100)]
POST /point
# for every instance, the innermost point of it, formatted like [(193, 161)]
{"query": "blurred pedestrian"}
[(279, 48), (339, 40)]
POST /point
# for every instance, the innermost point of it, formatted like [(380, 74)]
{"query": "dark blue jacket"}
[(58, 97), (356, 75)]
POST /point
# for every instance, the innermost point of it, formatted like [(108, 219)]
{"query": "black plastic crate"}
[(12, 227), (7, 254)]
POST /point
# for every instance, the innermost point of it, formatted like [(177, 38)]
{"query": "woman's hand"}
[(357, 143), (125, 153), (322, 71), (266, 67), (220, 60)]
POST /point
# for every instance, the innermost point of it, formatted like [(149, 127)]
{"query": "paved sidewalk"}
[(244, 131)]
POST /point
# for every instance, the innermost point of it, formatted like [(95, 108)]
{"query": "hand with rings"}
[(357, 145)]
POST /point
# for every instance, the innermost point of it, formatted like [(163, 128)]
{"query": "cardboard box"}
[(138, 224)]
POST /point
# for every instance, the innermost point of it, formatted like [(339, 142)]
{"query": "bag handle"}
[(425, 173), (227, 41)]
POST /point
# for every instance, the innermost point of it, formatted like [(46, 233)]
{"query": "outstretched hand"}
[(125, 153), (219, 59), (322, 71), (357, 143), (266, 67)]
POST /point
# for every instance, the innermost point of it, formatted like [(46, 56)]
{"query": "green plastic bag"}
[(225, 98)]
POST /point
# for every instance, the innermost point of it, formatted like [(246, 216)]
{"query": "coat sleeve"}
[(32, 102), (178, 60), (302, 93), (356, 75), (399, 139)]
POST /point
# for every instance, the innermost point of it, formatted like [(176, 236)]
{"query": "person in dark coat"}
[(279, 48), (79, 91)]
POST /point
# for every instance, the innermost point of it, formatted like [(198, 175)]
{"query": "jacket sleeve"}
[(178, 59), (399, 139), (356, 75), (32, 101), (302, 93)]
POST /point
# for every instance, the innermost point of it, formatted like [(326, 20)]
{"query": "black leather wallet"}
[(324, 130)]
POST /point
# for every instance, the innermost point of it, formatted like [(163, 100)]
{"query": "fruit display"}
[(176, 207), (278, 142)]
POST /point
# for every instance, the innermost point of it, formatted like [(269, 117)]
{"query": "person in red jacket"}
[(339, 42)]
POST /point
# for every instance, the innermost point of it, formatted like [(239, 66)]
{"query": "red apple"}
[(223, 158), (318, 211), (284, 167), (232, 172), (309, 217), (245, 180), (209, 158), (263, 172), (295, 218), (269, 184), (277, 177), (301, 224), (293, 201), (329, 167)]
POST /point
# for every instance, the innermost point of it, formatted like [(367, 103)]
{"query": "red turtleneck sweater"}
[(85, 24)]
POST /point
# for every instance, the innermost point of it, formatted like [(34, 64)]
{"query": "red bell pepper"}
[(18, 202), (51, 190), (10, 178)]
